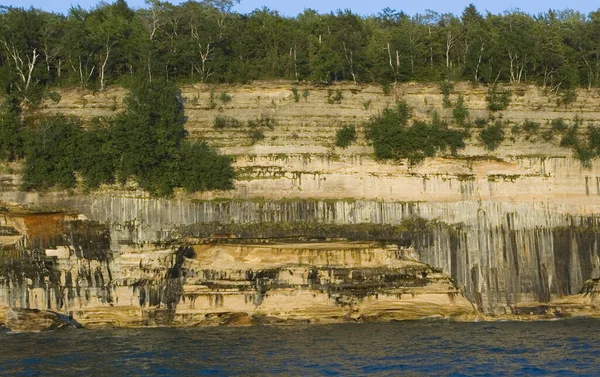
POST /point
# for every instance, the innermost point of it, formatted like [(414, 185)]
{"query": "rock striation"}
[(515, 229)]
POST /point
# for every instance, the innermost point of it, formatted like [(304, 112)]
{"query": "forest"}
[(208, 42)]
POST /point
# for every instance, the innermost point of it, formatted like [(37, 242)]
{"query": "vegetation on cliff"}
[(393, 137), (145, 143)]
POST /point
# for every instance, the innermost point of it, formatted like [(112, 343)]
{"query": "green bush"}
[(51, 153), (225, 97), (492, 136), (96, 160), (345, 136), (498, 99), (567, 97), (446, 88), (393, 138), (530, 128), (570, 139), (334, 99), (11, 130), (481, 122), (202, 168), (212, 104), (460, 112), (295, 94), (305, 94), (255, 136), (559, 125), (222, 122)]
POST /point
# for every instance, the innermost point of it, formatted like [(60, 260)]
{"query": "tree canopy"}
[(206, 41)]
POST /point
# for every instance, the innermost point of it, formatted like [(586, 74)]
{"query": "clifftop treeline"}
[(206, 41)]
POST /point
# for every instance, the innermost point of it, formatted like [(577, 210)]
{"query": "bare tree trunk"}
[(479, 62), (103, 67), (350, 61)]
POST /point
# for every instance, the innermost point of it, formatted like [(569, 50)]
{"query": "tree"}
[(51, 153), (109, 25), (148, 134), (11, 130)]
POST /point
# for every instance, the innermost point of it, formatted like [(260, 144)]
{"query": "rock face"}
[(35, 320), (211, 281), (515, 229)]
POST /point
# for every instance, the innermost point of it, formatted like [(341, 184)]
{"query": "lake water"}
[(423, 348)]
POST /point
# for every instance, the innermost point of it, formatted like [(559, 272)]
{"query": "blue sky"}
[(292, 8)]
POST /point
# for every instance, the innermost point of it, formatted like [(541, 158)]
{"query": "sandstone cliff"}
[(514, 228)]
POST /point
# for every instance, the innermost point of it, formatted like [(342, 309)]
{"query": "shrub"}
[(386, 88), (498, 99), (255, 136), (11, 130), (570, 139), (559, 125), (567, 97), (446, 88), (51, 153), (492, 136), (393, 138), (222, 122), (225, 97), (305, 94), (481, 122), (202, 168), (345, 136), (460, 112), (334, 99), (295, 94), (212, 104), (530, 128), (96, 160)]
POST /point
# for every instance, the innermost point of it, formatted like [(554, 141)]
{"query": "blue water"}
[(425, 348)]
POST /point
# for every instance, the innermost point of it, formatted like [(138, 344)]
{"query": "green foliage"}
[(492, 136), (387, 88), (53, 96), (446, 88), (96, 160), (586, 149), (570, 139), (206, 41), (530, 128), (222, 122), (305, 94), (296, 94), (367, 104), (212, 104), (559, 125), (257, 127), (264, 122), (256, 136), (11, 130), (202, 168), (460, 113), (345, 136), (393, 138), (147, 135), (225, 98), (498, 99), (334, 99), (481, 122), (51, 153), (567, 97)]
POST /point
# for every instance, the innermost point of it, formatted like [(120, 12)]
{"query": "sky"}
[(364, 7)]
